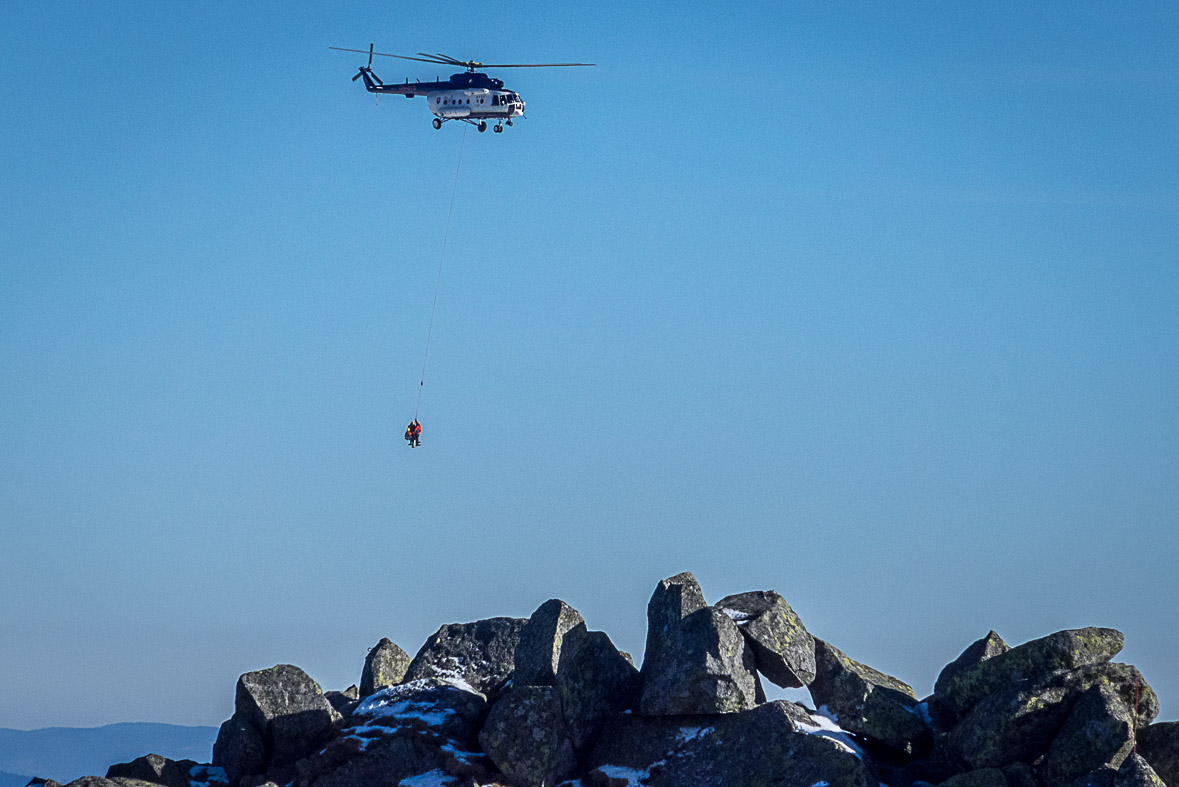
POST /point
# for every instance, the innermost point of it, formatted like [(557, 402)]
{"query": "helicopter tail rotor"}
[(369, 77), (367, 71)]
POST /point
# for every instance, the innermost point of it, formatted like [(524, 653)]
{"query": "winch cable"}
[(438, 278)]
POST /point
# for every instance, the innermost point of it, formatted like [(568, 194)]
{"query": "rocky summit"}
[(546, 702)]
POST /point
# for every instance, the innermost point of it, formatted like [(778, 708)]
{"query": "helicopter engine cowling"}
[(476, 79)]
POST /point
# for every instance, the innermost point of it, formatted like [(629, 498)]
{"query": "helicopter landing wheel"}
[(498, 129), (509, 122), (437, 123), (482, 126)]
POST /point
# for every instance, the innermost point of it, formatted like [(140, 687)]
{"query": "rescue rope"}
[(438, 278)]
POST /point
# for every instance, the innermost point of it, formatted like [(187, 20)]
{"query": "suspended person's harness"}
[(416, 428), (413, 433)]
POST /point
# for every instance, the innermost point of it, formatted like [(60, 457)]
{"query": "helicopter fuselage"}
[(471, 96), (475, 103)]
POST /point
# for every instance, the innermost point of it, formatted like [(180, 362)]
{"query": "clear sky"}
[(873, 304)]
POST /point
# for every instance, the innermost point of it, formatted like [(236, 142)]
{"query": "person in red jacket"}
[(413, 433)]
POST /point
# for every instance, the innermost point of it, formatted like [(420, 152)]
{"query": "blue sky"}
[(872, 304)]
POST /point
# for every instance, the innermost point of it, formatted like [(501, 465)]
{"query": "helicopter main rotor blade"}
[(445, 58), (477, 64), (386, 54), (532, 65), (419, 59)]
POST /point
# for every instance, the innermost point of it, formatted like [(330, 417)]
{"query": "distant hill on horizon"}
[(13, 780), (67, 753)]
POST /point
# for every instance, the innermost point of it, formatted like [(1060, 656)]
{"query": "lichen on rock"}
[(384, 666), (869, 702), (783, 649)]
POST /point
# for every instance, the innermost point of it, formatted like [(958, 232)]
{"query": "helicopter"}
[(470, 96)]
